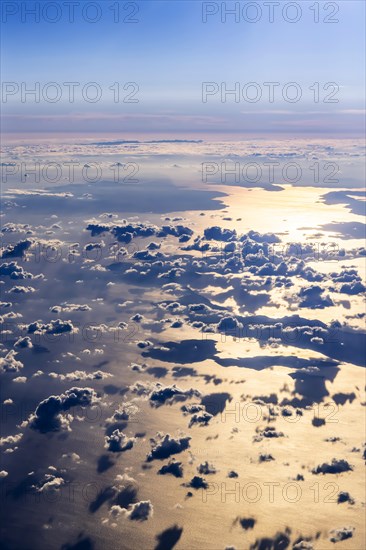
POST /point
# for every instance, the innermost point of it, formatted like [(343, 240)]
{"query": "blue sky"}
[(170, 52)]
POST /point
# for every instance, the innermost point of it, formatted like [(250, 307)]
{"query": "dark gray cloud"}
[(246, 523), (17, 250), (202, 419), (49, 417), (344, 533), (265, 457), (344, 496), (173, 467), (14, 271), (161, 394), (197, 482), (166, 445), (336, 466), (140, 511), (57, 326), (206, 468), (218, 234), (118, 442)]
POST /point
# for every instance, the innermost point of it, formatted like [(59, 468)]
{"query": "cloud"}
[(123, 413), (337, 466), (137, 318), (219, 234), (353, 288), (20, 379), (267, 432), (50, 483), (140, 388), (124, 232), (9, 363), (65, 307), (21, 290), (192, 408), (140, 511), (341, 534), (345, 276), (10, 440), (48, 415), (57, 326), (344, 496), (229, 324), (175, 231), (25, 342), (165, 445), (37, 193), (81, 375), (205, 468), (173, 467), (265, 457), (14, 271), (74, 457), (246, 523), (17, 250), (201, 418), (197, 482), (172, 393), (144, 344), (118, 442)]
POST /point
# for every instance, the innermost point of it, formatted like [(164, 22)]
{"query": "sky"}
[(163, 52), (182, 276)]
